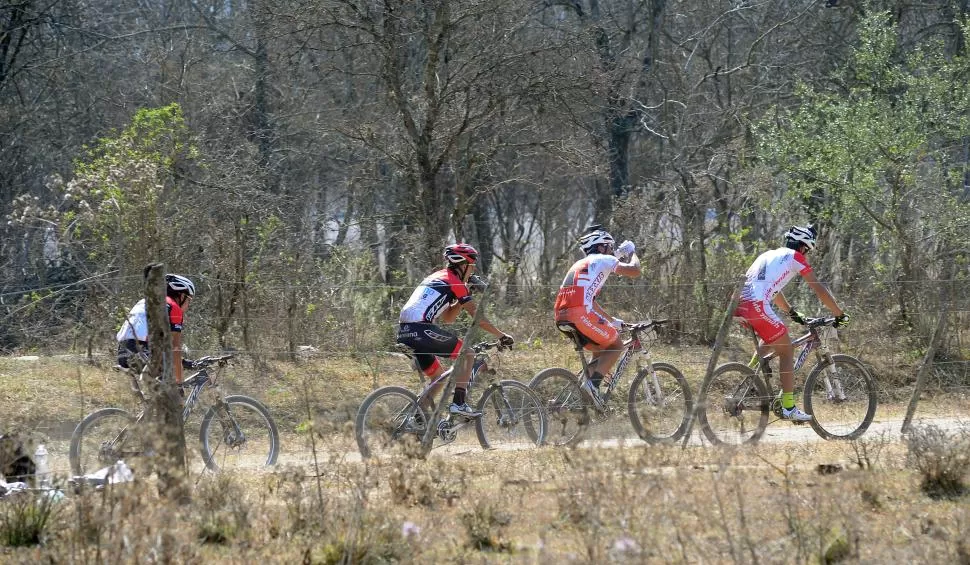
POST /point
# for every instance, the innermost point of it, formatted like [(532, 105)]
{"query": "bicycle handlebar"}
[(208, 360), (819, 322), (486, 345), (641, 326)]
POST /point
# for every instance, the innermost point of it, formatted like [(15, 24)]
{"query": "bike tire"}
[(388, 421), (568, 409), (832, 416), (667, 421), (727, 420), (262, 439), (86, 454), (512, 417)]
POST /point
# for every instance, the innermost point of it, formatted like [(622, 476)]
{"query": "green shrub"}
[(25, 518)]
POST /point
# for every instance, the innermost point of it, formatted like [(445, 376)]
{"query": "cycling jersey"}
[(574, 302), (136, 323), (584, 281), (435, 292), (133, 335), (769, 273)]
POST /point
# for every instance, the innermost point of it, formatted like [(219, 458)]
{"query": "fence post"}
[(924, 367), (166, 409), (461, 366), (718, 346)]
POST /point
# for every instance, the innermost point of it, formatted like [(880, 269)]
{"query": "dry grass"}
[(807, 502)]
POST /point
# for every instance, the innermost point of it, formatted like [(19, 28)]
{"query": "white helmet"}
[(807, 235), (589, 241), (180, 283)]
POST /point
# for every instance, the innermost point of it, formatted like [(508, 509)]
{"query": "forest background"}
[(305, 161)]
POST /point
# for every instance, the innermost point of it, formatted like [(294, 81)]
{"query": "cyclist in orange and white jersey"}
[(765, 279), (576, 303), (443, 295)]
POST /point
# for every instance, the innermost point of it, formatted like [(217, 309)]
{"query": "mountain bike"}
[(659, 402), (392, 418), (235, 430), (840, 394)]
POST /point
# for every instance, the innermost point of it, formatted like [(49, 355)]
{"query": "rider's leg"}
[(606, 358), (786, 367), (428, 401)]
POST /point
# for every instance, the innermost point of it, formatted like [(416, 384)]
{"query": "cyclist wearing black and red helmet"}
[(442, 296), (133, 335)]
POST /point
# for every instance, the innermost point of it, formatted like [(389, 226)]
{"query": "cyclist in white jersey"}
[(765, 279)]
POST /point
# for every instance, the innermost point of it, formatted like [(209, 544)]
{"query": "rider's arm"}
[(823, 293), (483, 322), (450, 313), (630, 269), (781, 302), (177, 355), (598, 310)]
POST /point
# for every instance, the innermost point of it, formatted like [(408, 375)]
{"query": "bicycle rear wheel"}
[(568, 409), (841, 397), (244, 437), (512, 417), (733, 405), (660, 410), (102, 438), (390, 421)]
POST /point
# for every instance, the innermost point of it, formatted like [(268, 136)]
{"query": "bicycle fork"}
[(231, 432), (651, 391), (507, 417), (834, 391)]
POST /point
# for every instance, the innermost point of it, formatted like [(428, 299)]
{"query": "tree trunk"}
[(169, 435)]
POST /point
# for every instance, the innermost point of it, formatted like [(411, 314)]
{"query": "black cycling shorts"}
[(129, 348), (428, 342)]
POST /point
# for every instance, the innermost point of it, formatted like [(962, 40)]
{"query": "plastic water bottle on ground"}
[(43, 471)]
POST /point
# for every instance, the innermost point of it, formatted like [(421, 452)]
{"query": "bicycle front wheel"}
[(101, 439), (733, 405), (841, 397), (512, 417), (390, 420), (568, 409), (660, 404), (240, 433)]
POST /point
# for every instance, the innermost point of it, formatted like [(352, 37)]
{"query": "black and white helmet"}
[(807, 235), (179, 283), (589, 241)]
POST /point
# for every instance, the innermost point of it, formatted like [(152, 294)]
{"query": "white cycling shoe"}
[(795, 415), (463, 410)]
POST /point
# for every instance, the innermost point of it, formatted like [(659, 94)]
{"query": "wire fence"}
[(322, 351)]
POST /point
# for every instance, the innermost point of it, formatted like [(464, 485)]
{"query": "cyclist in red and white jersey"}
[(765, 279), (443, 295), (133, 335), (576, 304)]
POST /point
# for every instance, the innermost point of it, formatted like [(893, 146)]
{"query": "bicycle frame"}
[(196, 382), (442, 426), (632, 347), (809, 342)]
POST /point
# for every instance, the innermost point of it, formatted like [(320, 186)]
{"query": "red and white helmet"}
[(461, 253)]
